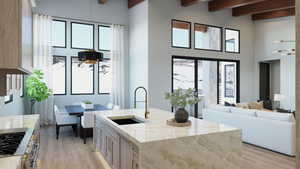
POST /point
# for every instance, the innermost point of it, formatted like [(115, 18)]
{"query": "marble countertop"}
[(155, 128), (15, 122), (21, 121)]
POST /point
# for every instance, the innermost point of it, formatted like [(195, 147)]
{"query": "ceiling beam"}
[(102, 1), (188, 2), (216, 5), (265, 6), (132, 3), (274, 14)]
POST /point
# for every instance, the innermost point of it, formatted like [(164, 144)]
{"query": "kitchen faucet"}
[(145, 101)]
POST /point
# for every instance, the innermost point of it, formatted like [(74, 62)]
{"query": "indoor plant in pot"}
[(179, 99), (87, 105), (36, 89)]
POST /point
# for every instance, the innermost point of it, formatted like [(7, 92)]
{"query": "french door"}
[(215, 81)]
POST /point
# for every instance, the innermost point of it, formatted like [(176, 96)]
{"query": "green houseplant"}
[(179, 99), (36, 89)]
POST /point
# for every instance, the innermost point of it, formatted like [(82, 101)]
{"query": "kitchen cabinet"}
[(16, 32), (118, 152)]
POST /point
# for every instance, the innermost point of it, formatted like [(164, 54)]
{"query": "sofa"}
[(271, 130)]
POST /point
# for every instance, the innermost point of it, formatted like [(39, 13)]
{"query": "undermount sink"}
[(126, 120)]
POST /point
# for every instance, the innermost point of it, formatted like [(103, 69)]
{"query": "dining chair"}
[(87, 123), (63, 119), (116, 107)]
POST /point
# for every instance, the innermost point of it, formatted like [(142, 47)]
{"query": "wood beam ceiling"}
[(102, 1), (188, 2), (262, 7), (132, 3), (274, 14), (216, 5)]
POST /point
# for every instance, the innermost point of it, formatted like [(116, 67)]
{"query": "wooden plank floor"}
[(69, 152)]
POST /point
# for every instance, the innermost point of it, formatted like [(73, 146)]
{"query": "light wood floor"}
[(69, 152)]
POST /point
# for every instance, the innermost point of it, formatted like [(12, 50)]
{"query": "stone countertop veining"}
[(15, 122), (156, 129)]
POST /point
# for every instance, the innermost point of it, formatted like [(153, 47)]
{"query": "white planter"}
[(87, 106)]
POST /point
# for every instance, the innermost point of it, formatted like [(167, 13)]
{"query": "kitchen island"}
[(152, 144)]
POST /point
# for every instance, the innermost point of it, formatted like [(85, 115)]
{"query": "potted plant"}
[(181, 98), (87, 105), (36, 89)]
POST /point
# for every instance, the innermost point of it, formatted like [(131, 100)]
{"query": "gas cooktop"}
[(14, 141), (9, 143)]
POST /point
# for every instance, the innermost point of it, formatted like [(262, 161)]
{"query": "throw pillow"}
[(229, 104), (256, 105), (242, 105)]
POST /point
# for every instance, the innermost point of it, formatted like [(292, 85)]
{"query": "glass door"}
[(184, 77), (227, 82), (215, 81)]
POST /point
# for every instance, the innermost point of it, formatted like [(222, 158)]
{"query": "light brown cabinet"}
[(16, 55), (16, 36), (118, 152)]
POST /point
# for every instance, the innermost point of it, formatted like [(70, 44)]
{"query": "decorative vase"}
[(181, 115), (87, 106)]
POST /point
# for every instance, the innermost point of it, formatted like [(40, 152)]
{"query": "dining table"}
[(78, 110)]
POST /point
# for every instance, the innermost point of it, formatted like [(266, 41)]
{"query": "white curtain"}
[(42, 59), (118, 61)]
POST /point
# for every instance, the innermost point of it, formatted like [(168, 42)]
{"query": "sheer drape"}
[(118, 61), (42, 59)]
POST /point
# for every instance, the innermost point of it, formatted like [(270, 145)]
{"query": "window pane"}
[(82, 36), (22, 86), (59, 75), (227, 82), (82, 77), (232, 41), (208, 37), (181, 34), (59, 33), (183, 73), (105, 38), (105, 77)]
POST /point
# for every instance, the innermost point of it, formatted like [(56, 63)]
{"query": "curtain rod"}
[(82, 20)]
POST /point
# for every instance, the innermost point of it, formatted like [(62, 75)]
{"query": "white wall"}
[(160, 15), (17, 107), (267, 31), (113, 12), (138, 48)]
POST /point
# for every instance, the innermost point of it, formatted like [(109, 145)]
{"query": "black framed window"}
[(59, 65), (104, 38), (9, 84), (8, 99), (82, 77), (59, 29), (232, 40), (104, 77), (22, 86), (208, 37), (216, 80), (181, 34), (82, 35)]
